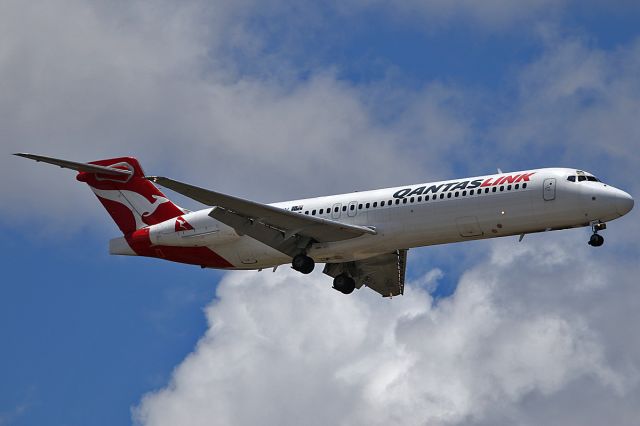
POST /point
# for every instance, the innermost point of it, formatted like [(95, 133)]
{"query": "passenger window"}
[(471, 192), (359, 206), (441, 196), (486, 190), (501, 188), (426, 198), (397, 201), (448, 195), (307, 212), (404, 201), (367, 205), (524, 185), (336, 210), (412, 199), (352, 207), (375, 204), (313, 212), (321, 211), (381, 203), (508, 187), (517, 186), (420, 198), (464, 193), (344, 208), (571, 178), (494, 189)]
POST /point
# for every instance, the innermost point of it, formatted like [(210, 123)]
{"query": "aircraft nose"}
[(624, 203)]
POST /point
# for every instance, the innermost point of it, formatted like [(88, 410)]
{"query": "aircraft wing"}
[(281, 229), (383, 274)]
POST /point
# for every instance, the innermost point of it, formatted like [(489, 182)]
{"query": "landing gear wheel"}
[(596, 240), (344, 284), (303, 263)]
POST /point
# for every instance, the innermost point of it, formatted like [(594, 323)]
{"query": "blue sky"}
[(286, 100)]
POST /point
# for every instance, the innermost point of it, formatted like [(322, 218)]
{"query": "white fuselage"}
[(417, 215)]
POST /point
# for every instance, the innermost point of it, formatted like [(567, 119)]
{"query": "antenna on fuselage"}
[(499, 170)]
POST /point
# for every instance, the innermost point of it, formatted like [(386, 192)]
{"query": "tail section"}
[(132, 201)]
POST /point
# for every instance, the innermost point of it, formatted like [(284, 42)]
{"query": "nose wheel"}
[(596, 239)]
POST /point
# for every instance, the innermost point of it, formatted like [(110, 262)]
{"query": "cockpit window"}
[(582, 178)]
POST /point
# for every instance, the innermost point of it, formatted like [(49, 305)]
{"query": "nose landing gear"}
[(596, 239)]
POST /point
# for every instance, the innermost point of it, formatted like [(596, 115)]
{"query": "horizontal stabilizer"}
[(81, 167), (131, 200)]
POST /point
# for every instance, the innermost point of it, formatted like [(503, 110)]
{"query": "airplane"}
[(361, 237)]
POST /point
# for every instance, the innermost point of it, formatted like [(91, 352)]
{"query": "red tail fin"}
[(132, 201)]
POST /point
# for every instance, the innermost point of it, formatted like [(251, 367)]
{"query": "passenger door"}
[(549, 191)]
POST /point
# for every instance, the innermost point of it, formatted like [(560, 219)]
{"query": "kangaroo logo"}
[(139, 205), (182, 225)]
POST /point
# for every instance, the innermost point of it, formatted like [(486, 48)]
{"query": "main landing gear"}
[(344, 283), (596, 239), (303, 263)]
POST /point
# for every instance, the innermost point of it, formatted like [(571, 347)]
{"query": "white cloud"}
[(283, 349), (542, 328), (545, 327), (576, 106), (577, 103), (101, 80), (158, 82)]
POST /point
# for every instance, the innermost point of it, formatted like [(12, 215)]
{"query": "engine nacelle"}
[(195, 229)]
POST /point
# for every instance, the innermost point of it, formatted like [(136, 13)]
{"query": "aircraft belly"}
[(247, 253), (506, 214), (435, 223), (350, 250)]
